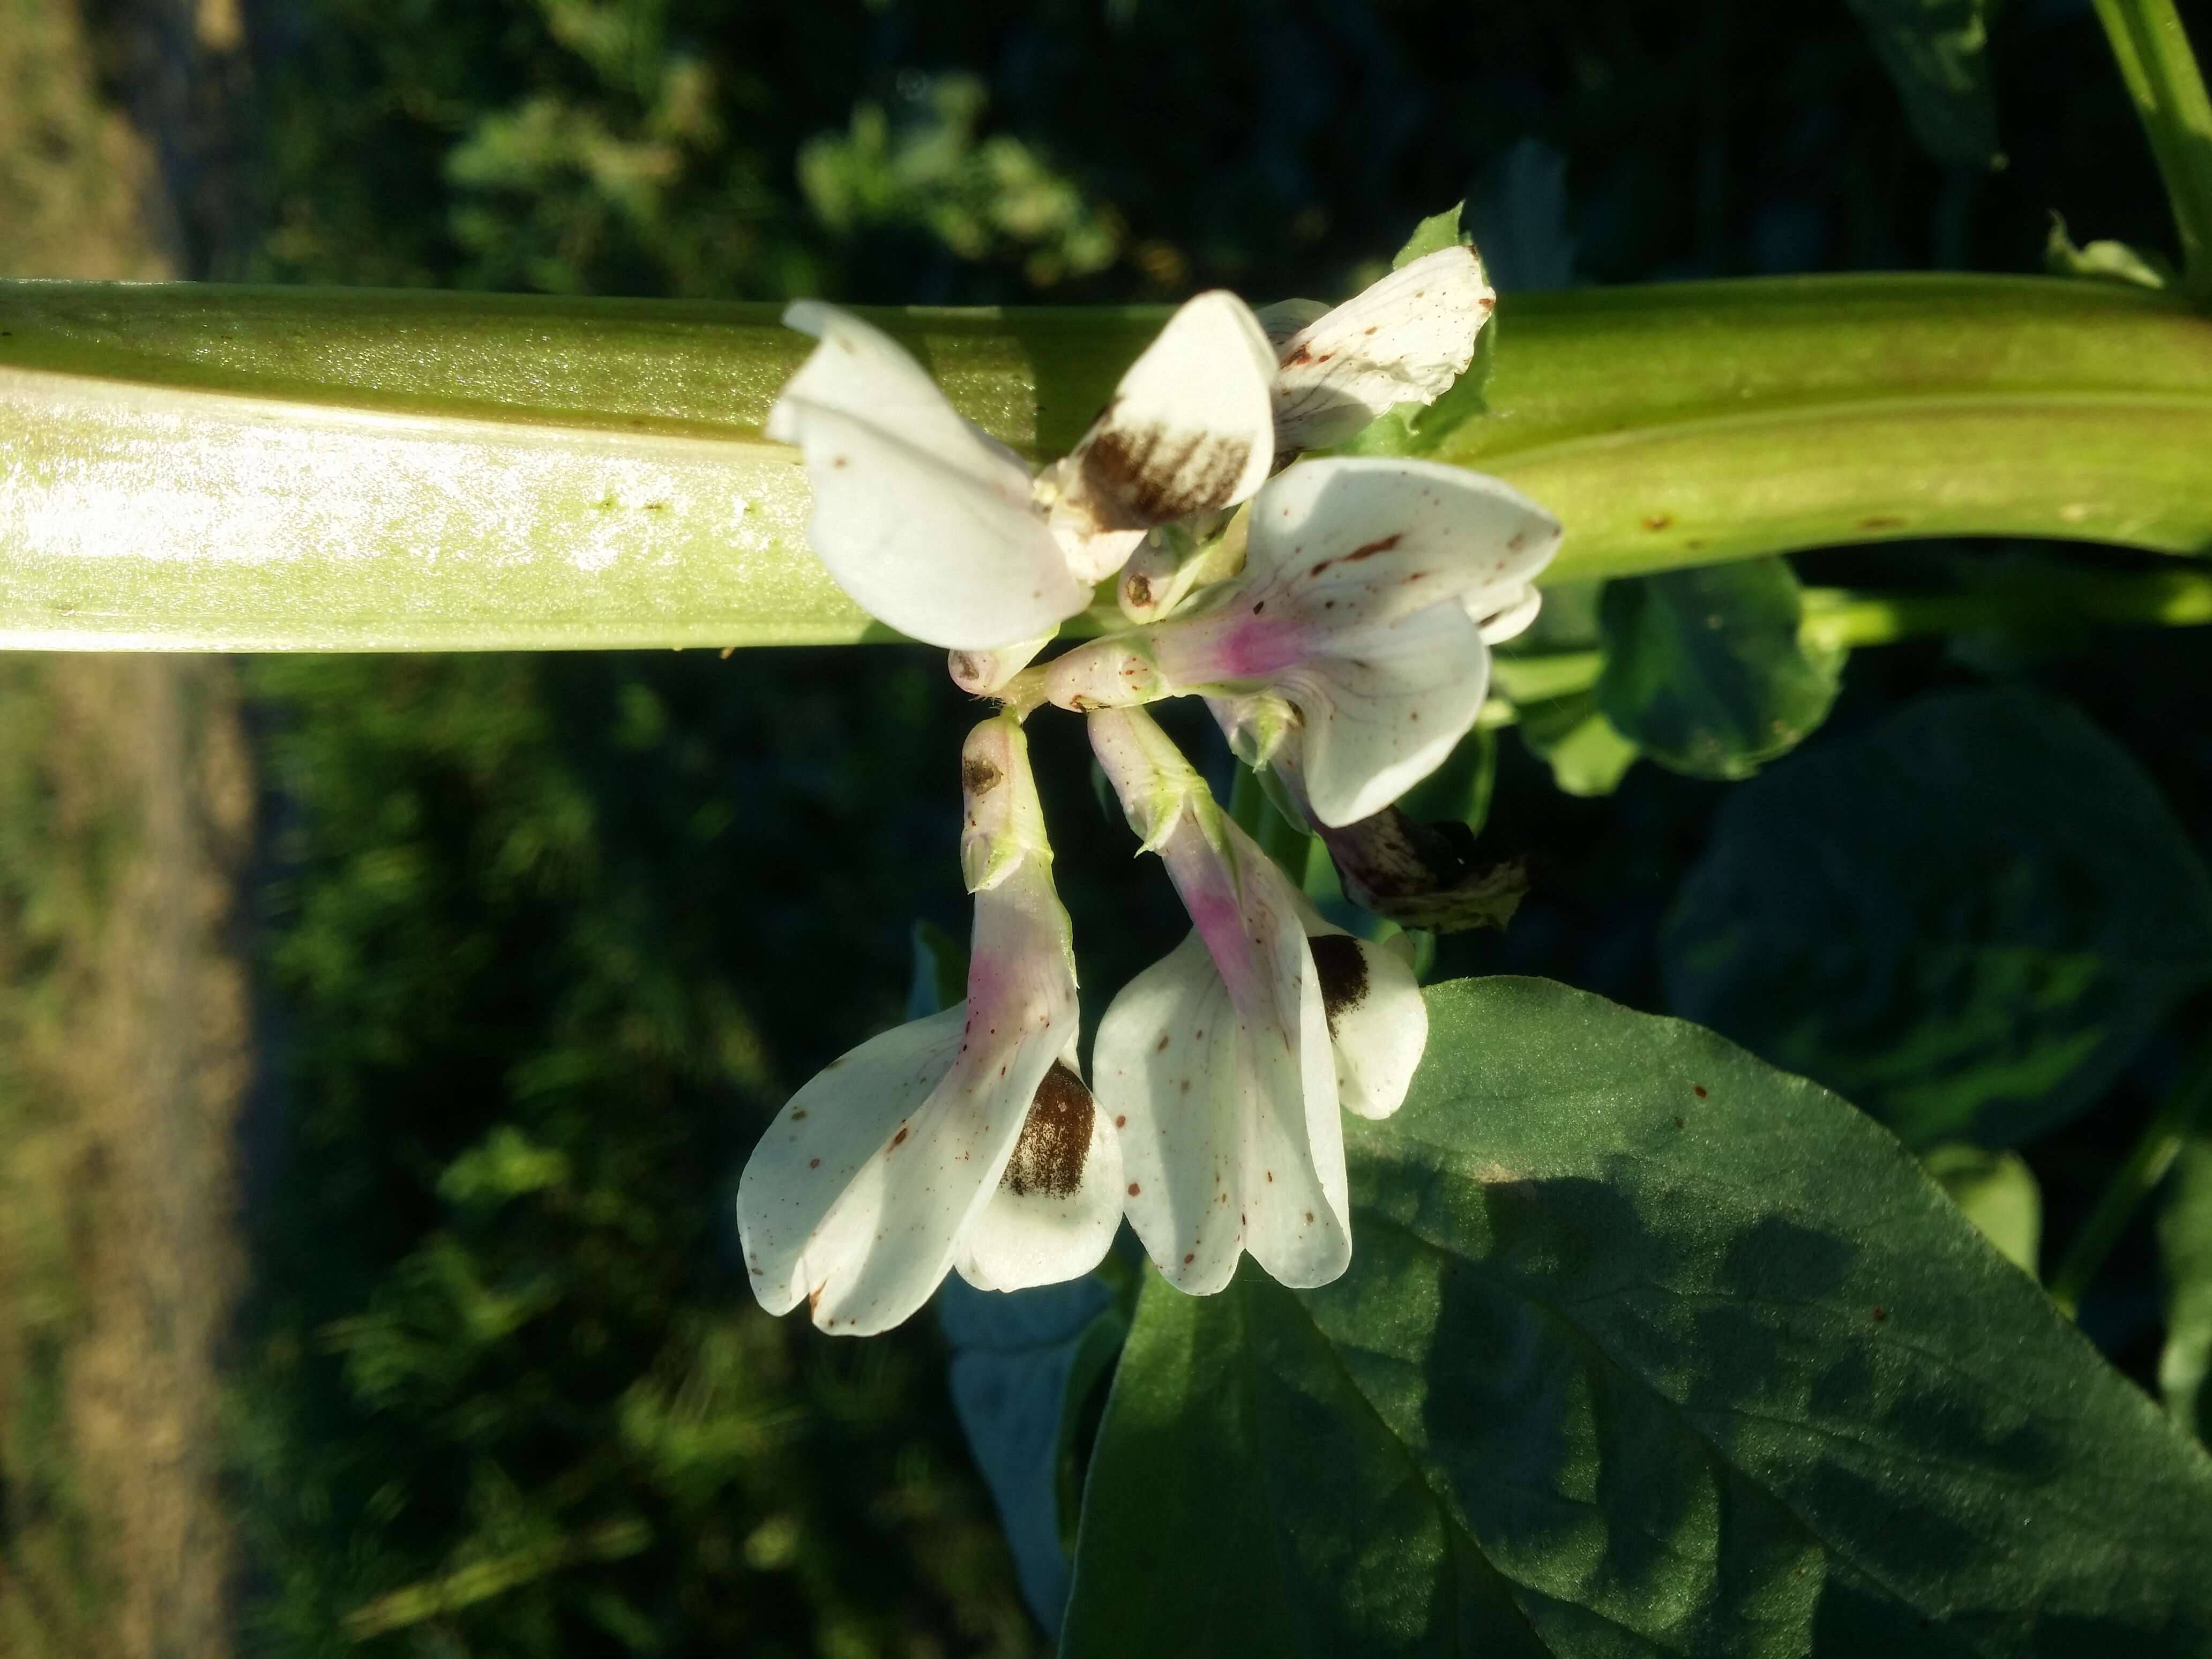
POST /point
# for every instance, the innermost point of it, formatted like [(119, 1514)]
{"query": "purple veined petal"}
[(928, 524), (1404, 339), (1190, 429), (1216, 1063)]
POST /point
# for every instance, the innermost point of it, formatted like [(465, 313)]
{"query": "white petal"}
[(1190, 429), (1501, 621), (868, 1233), (1054, 1215), (812, 1189), (1216, 1139), (1377, 1021), (1365, 539), (926, 523), (1404, 340), (1385, 708)]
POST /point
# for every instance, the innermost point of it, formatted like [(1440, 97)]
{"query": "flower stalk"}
[(209, 468)]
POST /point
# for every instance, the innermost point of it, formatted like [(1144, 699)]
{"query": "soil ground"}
[(126, 803)]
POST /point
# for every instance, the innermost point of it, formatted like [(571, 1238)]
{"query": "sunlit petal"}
[(929, 526), (1190, 429), (1404, 340)]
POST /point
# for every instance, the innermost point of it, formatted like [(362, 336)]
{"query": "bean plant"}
[(1473, 1317)]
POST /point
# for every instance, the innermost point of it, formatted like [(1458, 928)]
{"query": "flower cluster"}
[(1334, 612)]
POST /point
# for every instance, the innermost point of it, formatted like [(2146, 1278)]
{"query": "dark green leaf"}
[(1936, 52), (1646, 1348), (1704, 668), (1023, 1363), (1459, 790), (2184, 1238), (940, 971), (1966, 920)]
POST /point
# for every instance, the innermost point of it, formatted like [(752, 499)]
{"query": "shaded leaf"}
[(1967, 919), (1587, 755), (1997, 1192), (2184, 1239), (1936, 52), (1704, 671), (1023, 1363), (1645, 1349)]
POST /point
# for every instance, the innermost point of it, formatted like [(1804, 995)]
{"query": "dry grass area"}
[(125, 809), (77, 182), (125, 1030)]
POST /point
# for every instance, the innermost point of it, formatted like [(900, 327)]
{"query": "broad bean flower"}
[(1225, 1064), (1335, 613), (966, 1140)]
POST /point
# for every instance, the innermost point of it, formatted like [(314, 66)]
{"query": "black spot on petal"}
[(1056, 1139), (1342, 971)]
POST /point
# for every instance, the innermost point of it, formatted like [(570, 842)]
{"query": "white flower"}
[(966, 1140), (1368, 590), (1225, 1064), (939, 529)]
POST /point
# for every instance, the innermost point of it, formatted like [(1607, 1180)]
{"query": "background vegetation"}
[(542, 941)]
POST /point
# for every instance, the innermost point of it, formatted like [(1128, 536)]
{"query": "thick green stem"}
[(2147, 1163), (2152, 50), (208, 468)]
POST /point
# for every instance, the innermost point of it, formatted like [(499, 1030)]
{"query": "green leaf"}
[(1024, 1365), (1587, 755), (2184, 1239), (1936, 52), (1966, 919), (1997, 1192), (1438, 231), (1645, 1349), (1704, 671)]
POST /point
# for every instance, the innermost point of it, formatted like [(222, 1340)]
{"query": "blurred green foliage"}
[(506, 1391)]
